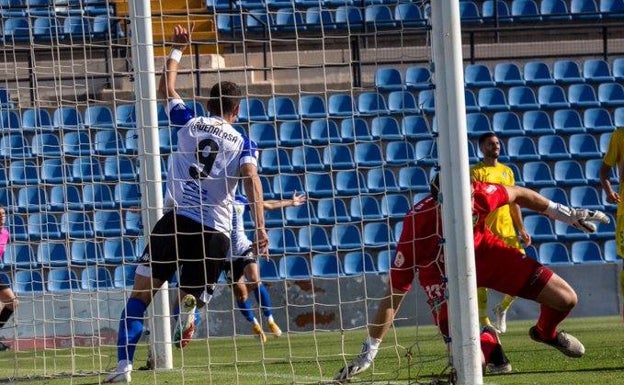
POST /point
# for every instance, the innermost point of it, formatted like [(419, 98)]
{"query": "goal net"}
[(339, 98)]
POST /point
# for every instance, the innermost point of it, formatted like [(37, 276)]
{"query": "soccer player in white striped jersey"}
[(194, 237)]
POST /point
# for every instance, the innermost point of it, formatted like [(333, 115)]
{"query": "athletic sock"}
[(130, 329), (548, 321), (506, 302), (483, 303), (488, 343), (245, 308), (5, 314), (263, 299)]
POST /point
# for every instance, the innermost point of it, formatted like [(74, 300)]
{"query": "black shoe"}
[(4, 347)]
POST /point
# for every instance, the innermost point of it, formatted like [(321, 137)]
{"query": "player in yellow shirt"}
[(504, 222), (615, 158)]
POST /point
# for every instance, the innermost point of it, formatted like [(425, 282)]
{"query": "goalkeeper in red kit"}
[(498, 266)]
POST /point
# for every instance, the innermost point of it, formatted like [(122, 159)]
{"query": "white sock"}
[(124, 366), (270, 318), (373, 342)]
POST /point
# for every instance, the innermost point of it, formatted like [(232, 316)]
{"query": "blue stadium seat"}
[(264, 134), (314, 239), (425, 152), (584, 10), (326, 266), (506, 123), (495, 10), (123, 276), (348, 17), (15, 146), (522, 98), (357, 263), (62, 280), (618, 117), (230, 23), (281, 108), (402, 102), (282, 241), (350, 183), (65, 197), (168, 139), (98, 117), (346, 237), (294, 267), (555, 194), (31, 199), (394, 206), (471, 101), (567, 72), (379, 16), (609, 251), (416, 127), (67, 118), (537, 123), (508, 74), (521, 148), (554, 10), (378, 235), (288, 19), (592, 170), (531, 252), (28, 282), (5, 98), (127, 195), (426, 101), (478, 75), (611, 8), (23, 172), (618, 63), (413, 179), (409, 15), (585, 197), (324, 131), (76, 225), (43, 226), (119, 168), (306, 158), (293, 133), (46, 145), (537, 174), (275, 160), (20, 256), (33, 120), (598, 120), (477, 123), (418, 78), (551, 253), (108, 224), (259, 20), (338, 157), (274, 218), (108, 142), (400, 153), (388, 79), (583, 146), (552, 147), (319, 18), (15, 30), (492, 99), (582, 96), (569, 173), (586, 252), (312, 107), (368, 154), (76, 143), (568, 122), (52, 254), (384, 261), (385, 128), (76, 29), (118, 251), (331, 211), (87, 169), (341, 105), (611, 94), (96, 278), (597, 71), (133, 224), (10, 121), (268, 270), (469, 12), (18, 228), (364, 208), (45, 27), (551, 96), (131, 142), (603, 141), (252, 110), (605, 231), (303, 215), (319, 185), (125, 116), (537, 73), (381, 180), (7, 198), (540, 228), (196, 107)]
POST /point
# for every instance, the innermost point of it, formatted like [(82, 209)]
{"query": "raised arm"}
[(296, 200), (167, 86)]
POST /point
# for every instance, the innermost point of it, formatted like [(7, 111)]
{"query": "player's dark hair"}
[(224, 97), (485, 137), (434, 185)]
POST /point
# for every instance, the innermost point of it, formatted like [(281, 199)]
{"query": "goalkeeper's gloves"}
[(582, 219)]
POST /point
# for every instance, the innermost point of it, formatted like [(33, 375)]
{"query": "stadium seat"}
[(67, 118), (125, 116), (380, 180), (418, 78), (521, 148), (598, 120), (618, 64), (341, 106), (314, 239), (603, 141), (168, 139), (86, 169), (586, 252), (540, 228), (62, 280), (409, 15), (350, 183), (508, 74), (378, 235), (554, 10), (368, 154), (108, 224), (552, 96), (96, 278), (43, 226), (252, 110), (15, 146), (569, 173), (469, 12), (478, 75), (27, 282), (282, 241), (133, 224), (537, 174), (10, 121), (45, 27), (326, 266), (288, 20), (555, 194), (303, 215), (537, 73), (605, 231), (120, 168), (338, 157), (417, 127), (7, 198), (46, 145), (379, 17), (123, 276), (52, 254), (477, 123), (609, 251), (268, 270), (536, 123), (592, 169), (425, 152), (98, 117), (567, 72), (585, 197), (346, 237), (76, 29), (31, 199), (19, 256), (108, 142), (293, 133), (65, 197), (426, 101), (551, 253), (492, 99), (306, 158), (118, 251), (15, 30), (319, 18), (294, 267), (18, 228), (264, 134), (331, 211), (471, 101), (400, 153), (597, 71), (583, 146), (388, 79), (394, 206), (618, 117), (384, 261), (611, 94), (357, 263), (413, 179), (348, 17), (258, 21), (582, 96), (522, 98), (273, 218), (319, 185), (584, 10), (611, 8), (275, 160), (5, 99), (281, 108), (312, 107), (23, 172), (402, 102), (506, 123), (364, 208), (552, 147), (131, 142), (324, 131), (76, 143), (230, 23), (568, 122), (76, 225), (385, 128)]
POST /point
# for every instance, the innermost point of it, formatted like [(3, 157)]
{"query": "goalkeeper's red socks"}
[(548, 321)]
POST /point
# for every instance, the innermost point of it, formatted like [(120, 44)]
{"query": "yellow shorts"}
[(619, 235)]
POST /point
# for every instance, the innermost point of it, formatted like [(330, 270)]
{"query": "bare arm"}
[(167, 86), (253, 190), (516, 217), (612, 196), (296, 200)]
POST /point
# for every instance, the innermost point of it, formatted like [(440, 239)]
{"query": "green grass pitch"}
[(409, 356)]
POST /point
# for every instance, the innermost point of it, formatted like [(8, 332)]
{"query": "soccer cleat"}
[(186, 323), (257, 330), (498, 363), (119, 376), (274, 328), (501, 319), (359, 364), (564, 342)]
